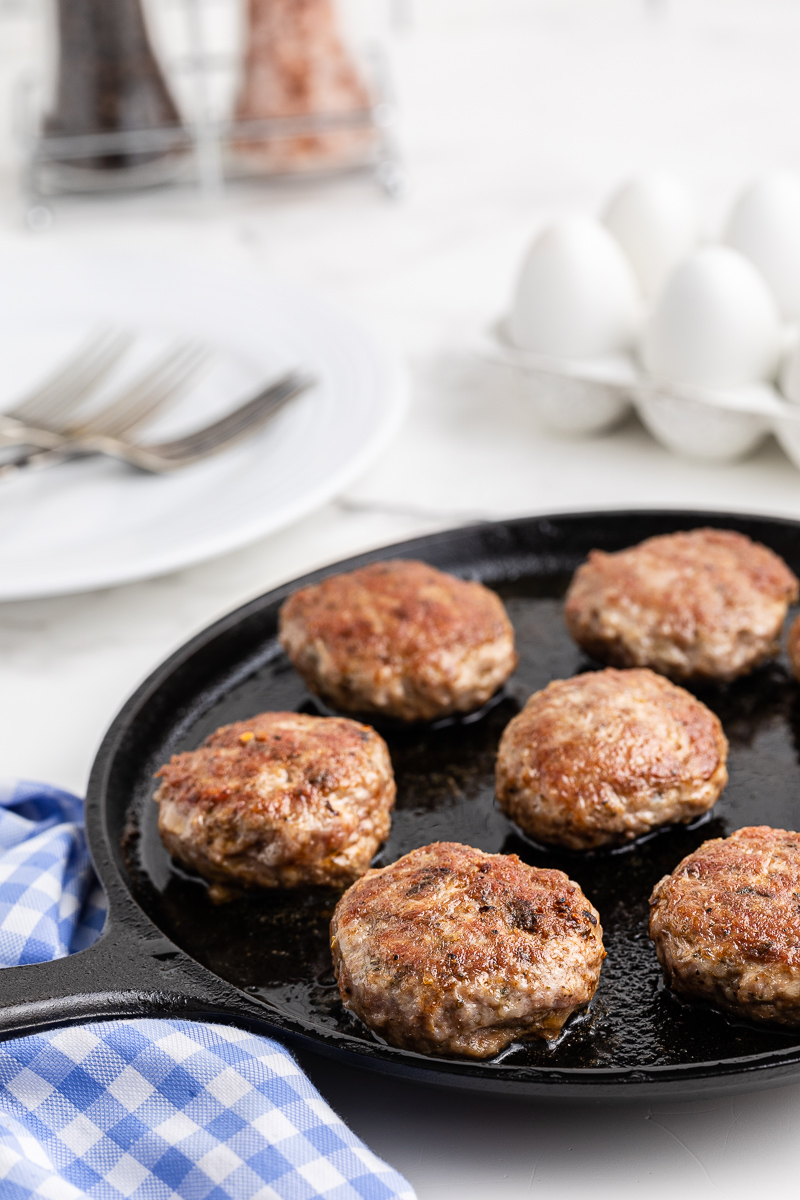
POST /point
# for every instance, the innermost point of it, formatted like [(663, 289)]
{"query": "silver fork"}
[(126, 411), (160, 457), (64, 391), (130, 408)]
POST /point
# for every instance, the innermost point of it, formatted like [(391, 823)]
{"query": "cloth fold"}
[(51, 904), (148, 1109)]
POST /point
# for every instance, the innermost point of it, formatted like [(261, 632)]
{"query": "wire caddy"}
[(205, 152)]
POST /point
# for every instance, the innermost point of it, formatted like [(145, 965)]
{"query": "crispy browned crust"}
[(281, 800), (607, 756), (453, 951), (793, 646), (709, 603), (726, 924), (400, 639)]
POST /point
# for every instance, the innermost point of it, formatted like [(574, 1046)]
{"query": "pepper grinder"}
[(108, 79), (296, 65)]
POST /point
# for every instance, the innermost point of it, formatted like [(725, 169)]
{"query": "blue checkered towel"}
[(50, 901), (147, 1109)]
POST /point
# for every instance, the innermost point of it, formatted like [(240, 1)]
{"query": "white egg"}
[(716, 323), (654, 219), (765, 226), (576, 295)]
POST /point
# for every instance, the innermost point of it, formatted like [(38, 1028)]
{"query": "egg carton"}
[(590, 396)]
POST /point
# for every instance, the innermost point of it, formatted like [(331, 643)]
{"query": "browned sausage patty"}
[(281, 800), (705, 604), (607, 756), (401, 639), (793, 646), (726, 924), (453, 951)]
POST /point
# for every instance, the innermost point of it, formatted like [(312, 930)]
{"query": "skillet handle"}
[(121, 975)]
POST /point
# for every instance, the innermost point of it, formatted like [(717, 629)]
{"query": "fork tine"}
[(70, 385), (235, 424), (128, 395), (63, 376), (171, 386), (141, 399)]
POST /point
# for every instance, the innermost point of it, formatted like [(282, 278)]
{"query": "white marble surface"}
[(513, 108)]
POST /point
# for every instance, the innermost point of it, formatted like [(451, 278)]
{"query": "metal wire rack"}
[(207, 151)]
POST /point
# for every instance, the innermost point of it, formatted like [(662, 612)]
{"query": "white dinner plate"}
[(97, 523)]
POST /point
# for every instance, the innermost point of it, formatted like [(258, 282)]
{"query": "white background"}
[(513, 109)]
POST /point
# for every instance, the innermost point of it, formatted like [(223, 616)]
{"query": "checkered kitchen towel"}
[(148, 1109)]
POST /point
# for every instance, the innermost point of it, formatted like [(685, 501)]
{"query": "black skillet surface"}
[(264, 960)]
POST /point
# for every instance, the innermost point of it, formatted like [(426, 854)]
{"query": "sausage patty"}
[(400, 639), (607, 756), (726, 924), (281, 800), (793, 646), (453, 951), (708, 604)]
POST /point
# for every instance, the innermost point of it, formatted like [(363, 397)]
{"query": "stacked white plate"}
[(93, 523)]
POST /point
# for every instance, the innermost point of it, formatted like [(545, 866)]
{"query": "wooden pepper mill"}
[(108, 79), (296, 64)]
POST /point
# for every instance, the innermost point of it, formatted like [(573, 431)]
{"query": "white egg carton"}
[(590, 396)]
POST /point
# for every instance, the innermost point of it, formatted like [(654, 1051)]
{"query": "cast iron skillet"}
[(264, 961)]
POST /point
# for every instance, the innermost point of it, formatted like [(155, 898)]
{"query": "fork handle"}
[(36, 459), (17, 433), (160, 457)]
